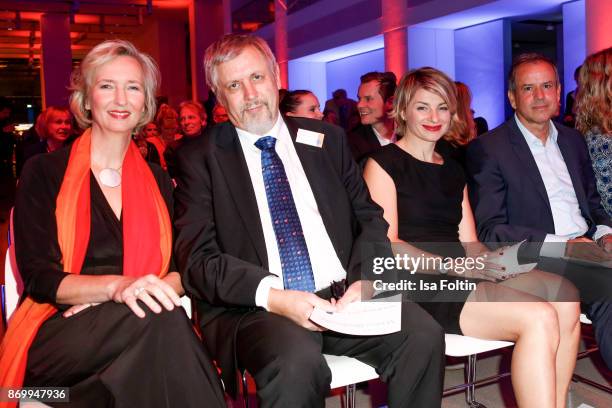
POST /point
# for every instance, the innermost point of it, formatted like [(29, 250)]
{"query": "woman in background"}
[(147, 149), (593, 109), (301, 103), (454, 142), (150, 133), (54, 129), (465, 113), (219, 114), (168, 124), (594, 119)]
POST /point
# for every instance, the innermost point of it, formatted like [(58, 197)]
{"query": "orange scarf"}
[(147, 243)]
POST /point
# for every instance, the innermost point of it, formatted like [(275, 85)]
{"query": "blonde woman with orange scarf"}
[(93, 238)]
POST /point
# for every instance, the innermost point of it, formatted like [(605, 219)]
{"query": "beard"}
[(259, 122)]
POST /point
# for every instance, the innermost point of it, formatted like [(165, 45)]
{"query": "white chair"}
[(470, 347), (186, 302), (348, 371), (584, 319), (13, 285), (11, 290)]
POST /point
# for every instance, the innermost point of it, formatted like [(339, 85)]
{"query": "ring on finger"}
[(138, 291)]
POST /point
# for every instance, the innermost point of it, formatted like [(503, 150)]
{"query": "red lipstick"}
[(433, 128)]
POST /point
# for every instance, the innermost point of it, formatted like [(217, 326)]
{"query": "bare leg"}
[(568, 347), (552, 287), (533, 326)]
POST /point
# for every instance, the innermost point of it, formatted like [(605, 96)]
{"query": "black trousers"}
[(287, 364), (109, 357)]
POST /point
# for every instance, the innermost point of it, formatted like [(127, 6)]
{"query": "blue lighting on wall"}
[(574, 43), (481, 60), (345, 73)]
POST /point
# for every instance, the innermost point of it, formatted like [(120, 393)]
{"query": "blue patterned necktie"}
[(295, 261)]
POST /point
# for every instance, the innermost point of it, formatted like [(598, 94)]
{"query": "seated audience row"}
[(272, 221)]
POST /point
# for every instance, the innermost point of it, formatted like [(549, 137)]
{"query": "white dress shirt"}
[(383, 141), (568, 220), (326, 266)]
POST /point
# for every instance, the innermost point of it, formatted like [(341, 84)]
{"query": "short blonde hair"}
[(42, 121), (431, 80), (594, 98), (83, 76), (228, 48)]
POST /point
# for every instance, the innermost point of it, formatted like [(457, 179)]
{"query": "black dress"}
[(106, 355), (429, 198)]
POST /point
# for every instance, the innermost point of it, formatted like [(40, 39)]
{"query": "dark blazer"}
[(506, 190), (363, 141), (220, 245)]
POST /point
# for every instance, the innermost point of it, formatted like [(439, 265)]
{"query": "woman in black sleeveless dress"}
[(424, 198)]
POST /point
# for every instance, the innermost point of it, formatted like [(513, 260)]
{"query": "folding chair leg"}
[(579, 378), (470, 391), (349, 396), (245, 389)]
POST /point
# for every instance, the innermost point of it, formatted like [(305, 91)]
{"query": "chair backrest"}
[(13, 285), (186, 302), (11, 293), (11, 254)]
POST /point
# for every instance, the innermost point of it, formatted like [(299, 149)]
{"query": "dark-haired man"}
[(531, 179), (375, 96)]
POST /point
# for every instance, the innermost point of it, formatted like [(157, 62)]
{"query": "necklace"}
[(110, 177)]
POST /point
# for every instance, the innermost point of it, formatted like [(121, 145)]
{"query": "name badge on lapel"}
[(310, 138)]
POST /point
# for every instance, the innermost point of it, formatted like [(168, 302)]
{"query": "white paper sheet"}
[(363, 318)]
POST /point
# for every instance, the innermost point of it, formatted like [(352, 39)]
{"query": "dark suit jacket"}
[(363, 141), (220, 245), (507, 193)]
